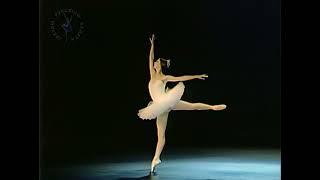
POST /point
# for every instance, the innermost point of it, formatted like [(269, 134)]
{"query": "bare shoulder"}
[(161, 77), (168, 77)]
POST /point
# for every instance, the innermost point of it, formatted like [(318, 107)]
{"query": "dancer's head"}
[(159, 63)]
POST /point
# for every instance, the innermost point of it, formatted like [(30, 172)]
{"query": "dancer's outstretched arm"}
[(151, 56), (185, 78)]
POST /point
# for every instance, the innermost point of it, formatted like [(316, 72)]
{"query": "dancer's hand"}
[(152, 39), (202, 77)]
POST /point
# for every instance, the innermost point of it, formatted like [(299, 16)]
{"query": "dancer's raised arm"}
[(151, 56), (185, 78)]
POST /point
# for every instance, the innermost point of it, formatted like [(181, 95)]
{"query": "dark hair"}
[(164, 62)]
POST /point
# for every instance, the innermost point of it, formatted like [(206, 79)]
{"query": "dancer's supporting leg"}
[(161, 130)]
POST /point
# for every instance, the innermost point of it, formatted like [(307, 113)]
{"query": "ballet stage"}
[(204, 164)]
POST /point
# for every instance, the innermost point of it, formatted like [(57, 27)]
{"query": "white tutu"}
[(162, 103)]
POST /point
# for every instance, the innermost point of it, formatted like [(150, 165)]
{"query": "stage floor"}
[(189, 165)]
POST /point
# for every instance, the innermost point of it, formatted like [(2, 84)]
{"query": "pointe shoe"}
[(154, 164), (219, 107)]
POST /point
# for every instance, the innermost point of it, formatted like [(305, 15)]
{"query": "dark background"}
[(92, 88)]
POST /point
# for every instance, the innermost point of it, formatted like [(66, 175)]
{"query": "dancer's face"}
[(157, 65)]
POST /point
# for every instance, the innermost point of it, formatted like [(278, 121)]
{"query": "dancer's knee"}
[(196, 106), (162, 138)]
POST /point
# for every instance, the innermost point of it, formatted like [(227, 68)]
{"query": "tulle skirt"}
[(164, 103)]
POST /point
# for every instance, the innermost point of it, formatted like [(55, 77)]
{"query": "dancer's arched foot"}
[(154, 164), (219, 107)]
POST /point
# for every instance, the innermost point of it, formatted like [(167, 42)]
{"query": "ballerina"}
[(165, 100)]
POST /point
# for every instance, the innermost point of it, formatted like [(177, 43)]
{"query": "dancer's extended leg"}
[(184, 105)]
